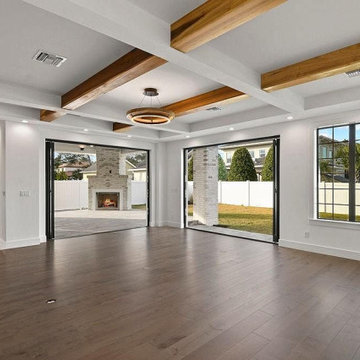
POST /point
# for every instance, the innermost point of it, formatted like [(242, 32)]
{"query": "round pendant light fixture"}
[(150, 115)]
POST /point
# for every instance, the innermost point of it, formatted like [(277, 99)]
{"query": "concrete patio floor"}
[(84, 222)]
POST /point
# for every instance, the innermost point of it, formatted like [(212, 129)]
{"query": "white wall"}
[(298, 228), (2, 184), (24, 151)]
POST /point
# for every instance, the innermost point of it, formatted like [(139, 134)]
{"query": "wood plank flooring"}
[(166, 293)]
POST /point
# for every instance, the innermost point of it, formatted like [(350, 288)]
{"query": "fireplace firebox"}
[(107, 201)]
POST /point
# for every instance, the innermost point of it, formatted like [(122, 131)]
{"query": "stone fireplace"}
[(110, 189)]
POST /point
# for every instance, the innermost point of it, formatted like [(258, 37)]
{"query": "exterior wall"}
[(109, 164), (139, 175), (298, 226), (205, 195), (229, 152)]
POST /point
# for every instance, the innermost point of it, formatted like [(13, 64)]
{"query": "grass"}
[(341, 217), (139, 207), (246, 218)]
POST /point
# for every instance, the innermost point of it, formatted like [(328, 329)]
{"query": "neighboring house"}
[(337, 172), (91, 170), (139, 173), (69, 168), (258, 152)]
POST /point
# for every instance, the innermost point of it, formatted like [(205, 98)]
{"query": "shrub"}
[(242, 167), (267, 173)]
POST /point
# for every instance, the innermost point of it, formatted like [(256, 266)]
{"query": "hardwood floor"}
[(166, 293)]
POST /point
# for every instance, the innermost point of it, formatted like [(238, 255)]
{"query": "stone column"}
[(205, 192), (122, 164)]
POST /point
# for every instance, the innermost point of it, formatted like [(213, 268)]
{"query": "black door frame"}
[(49, 179), (276, 183)]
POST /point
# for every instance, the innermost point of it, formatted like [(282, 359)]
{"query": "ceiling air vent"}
[(353, 73), (49, 59), (214, 108)]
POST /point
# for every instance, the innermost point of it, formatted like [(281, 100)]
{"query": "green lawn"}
[(341, 217), (246, 218)]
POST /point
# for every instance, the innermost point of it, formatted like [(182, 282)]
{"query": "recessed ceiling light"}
[(290, 117), (187, 136), (129, 136), (24, 121), (231, 129), (91, 145), (86, 130)]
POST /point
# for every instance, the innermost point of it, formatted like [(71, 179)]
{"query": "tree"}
[(267, 173), (76, 175), (61, 175), (191, 169), (242, 167), (222, 171), (342, 155)]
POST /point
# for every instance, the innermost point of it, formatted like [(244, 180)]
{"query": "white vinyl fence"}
[(339, 195), (73, 194), (246, 193)]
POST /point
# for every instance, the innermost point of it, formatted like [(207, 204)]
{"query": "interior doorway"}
[(94, 188), (233, 188)]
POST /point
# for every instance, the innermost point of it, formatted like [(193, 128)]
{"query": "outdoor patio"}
[(85, 222)]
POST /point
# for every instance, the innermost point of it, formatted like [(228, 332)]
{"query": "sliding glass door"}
[(233, 189), (93, 188)]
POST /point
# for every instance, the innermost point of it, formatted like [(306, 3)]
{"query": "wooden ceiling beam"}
[(215, 18), (130, 66), (333, 63), (120, 127), (49, 116), (218, 97)]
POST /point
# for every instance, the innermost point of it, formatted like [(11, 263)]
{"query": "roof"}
[(75, 165)]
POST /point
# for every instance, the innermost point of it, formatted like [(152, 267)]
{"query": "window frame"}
[(351, 173)]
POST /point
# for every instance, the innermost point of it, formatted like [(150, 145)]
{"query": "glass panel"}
[(325, 136), (98, 189), (237, 199), (326, 194), (341, 134), (341, 213), (357, 132), (357, 174), (341, 196), (358, 213), (325, 211)]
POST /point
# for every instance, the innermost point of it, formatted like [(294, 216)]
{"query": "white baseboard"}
[(21, 243), (319, 249), (2, 244)]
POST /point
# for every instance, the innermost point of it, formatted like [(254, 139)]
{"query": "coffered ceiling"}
[(92, 35)]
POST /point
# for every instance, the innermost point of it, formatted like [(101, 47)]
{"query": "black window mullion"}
[(352, 172)]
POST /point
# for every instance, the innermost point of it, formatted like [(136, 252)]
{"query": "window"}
[(262, 153), (228, 158), (338, 168), (252, 154)]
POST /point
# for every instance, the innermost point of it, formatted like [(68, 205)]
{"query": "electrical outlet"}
[(24, 193), (307, 234)]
